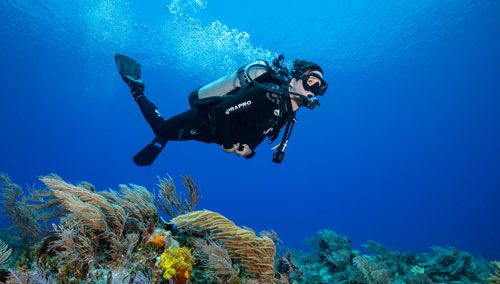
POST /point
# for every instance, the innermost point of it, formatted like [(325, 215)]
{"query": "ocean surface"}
[(404, 149)]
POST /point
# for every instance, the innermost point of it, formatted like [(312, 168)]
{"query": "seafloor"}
[(65, 233)]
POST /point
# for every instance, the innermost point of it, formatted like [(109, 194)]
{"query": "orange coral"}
[(158, 240)]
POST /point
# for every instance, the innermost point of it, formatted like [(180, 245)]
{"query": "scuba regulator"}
[(281, 72)]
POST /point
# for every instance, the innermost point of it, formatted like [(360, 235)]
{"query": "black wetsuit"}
[(246, 117)]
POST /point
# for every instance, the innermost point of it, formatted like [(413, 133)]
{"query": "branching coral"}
[(334, 249), (286, 267), (74, 248), (377, 248), (18, 278), (5, 252), (256, 254), (450, 264), (100, 220), (137, 201), (495, 278), (215, 258), (174, 204), (395, 262), (105, 210), (14, 206), (370, 272), (272, 235)]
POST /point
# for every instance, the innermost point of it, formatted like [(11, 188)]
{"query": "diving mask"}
[(313, 83)]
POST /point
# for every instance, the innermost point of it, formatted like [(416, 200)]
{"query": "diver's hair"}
[(302, 66)]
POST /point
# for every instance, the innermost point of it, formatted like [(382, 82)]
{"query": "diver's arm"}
[(250, 136), (245, 151), (231, 150), (251, 99)]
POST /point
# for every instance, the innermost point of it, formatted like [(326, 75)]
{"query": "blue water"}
[(404, 149)]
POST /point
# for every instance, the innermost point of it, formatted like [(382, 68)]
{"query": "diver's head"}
[(307, 80)]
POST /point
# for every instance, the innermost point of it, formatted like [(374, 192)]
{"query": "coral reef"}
[(108, 236), (370, 272), (285, 268), (445, 265), (177, 264), (495, 277), (69, 234), (255, 254), (5, 252), (334, 249), (100, 226), (174, 204), (24, 226), (214, 258)]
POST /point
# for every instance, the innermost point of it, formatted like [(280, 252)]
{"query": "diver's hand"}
[(245, 152), (231, 150)]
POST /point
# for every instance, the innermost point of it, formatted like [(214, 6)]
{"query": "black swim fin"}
[(147, 155), (130, 70)]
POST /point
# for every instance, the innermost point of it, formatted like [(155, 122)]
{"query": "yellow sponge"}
[(177, 264)]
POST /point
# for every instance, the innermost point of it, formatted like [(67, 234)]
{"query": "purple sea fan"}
[(40, 277), (15, 278), (218, 261), (124, 276)]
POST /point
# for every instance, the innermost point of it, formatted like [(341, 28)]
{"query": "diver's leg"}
[(150, 112), (189, 125)]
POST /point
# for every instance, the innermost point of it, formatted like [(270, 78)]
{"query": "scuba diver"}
[(237, 111)]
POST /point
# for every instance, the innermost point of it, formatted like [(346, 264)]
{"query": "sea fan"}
[(100, 219), (124, 276), (495, 278), (5, 252), (216, 259), (14, 205), (256, 254), (369, 272), (74, 248), (333, 249), (15, 278), (285, 267), (40, 277), (174, 204), (141, 278)]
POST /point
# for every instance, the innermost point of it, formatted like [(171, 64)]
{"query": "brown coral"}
[(256, 254), (370, 272), (98, 220), (216, 259), (495, 278), (285, 268), (15, 207), (174, 204)]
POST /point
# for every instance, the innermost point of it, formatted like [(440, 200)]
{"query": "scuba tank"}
[(255, 73), (229, 84), (232, 82)]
